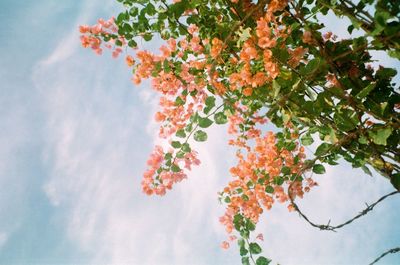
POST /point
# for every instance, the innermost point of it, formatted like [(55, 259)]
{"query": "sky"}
[(75, 134)]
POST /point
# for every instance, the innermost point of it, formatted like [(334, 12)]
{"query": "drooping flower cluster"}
[(157, 179), (92, 36), (263, 171)]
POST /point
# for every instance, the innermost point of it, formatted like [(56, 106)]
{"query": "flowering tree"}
[(247, 63)]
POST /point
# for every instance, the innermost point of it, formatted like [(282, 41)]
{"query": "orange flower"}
[(247, 91), (129, 60), (216, 47), (225, 245)]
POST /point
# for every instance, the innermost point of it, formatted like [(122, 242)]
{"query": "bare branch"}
[(390, 251), (333, 228)]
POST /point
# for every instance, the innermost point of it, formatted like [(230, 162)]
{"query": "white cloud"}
[(15, 141), (3, 239)]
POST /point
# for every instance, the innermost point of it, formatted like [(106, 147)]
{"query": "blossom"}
[(225, 245), (296, 56), (129, 60), (216, 47)]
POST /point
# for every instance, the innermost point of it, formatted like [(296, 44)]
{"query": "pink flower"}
[(129, 60), (193, 29), (225, 245)]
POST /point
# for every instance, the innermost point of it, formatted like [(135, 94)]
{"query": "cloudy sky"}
[(74, 138)]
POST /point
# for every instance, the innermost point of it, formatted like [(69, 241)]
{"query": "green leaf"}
[(245, 234), (269, 189), (176, 144), (243, 251), (262, 261), (147, 36), (179, 101), (322, 149), (350, 29), (175, 168), (194, 118), (241, 242), (366, 170), (386, 73), (363, 93), (210, 102), (306, 139), (168, 156), (285, 170), (205, 122), (220, 118), (395, 180), (150, 9), (166, 66), (363, 140), (246, 261), (180, 154), (318, 169), (118, 43), (243, 34), (186, 148), (276, 88), (132, 44), (134, 11), (380, 136), (251, 226), (279, 181), (207, 110), (346, 119), (394, 54), (290, 146), (180, 133), (332, 136), (254, 248), (200, 136), (312, 66)]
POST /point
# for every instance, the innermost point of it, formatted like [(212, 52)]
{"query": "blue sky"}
[(75, 135)]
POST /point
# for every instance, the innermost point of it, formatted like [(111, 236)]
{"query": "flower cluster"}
[(159, 177), (263, 171), (92, 36)]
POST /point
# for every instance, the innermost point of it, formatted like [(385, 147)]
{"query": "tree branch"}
[(333, 228), (390, 251)]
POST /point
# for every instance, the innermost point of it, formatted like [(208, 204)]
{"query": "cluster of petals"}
[(264, 33), (296, 55), (332, 80), (277, 5), (262, 160), (270, 66), (158, 178), (145, 66), (91, 36), (216, 47)]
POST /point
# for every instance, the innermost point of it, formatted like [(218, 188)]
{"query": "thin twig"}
[(390, 251), (334, 227)]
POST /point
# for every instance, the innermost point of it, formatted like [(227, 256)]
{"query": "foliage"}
[(249, 62)]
